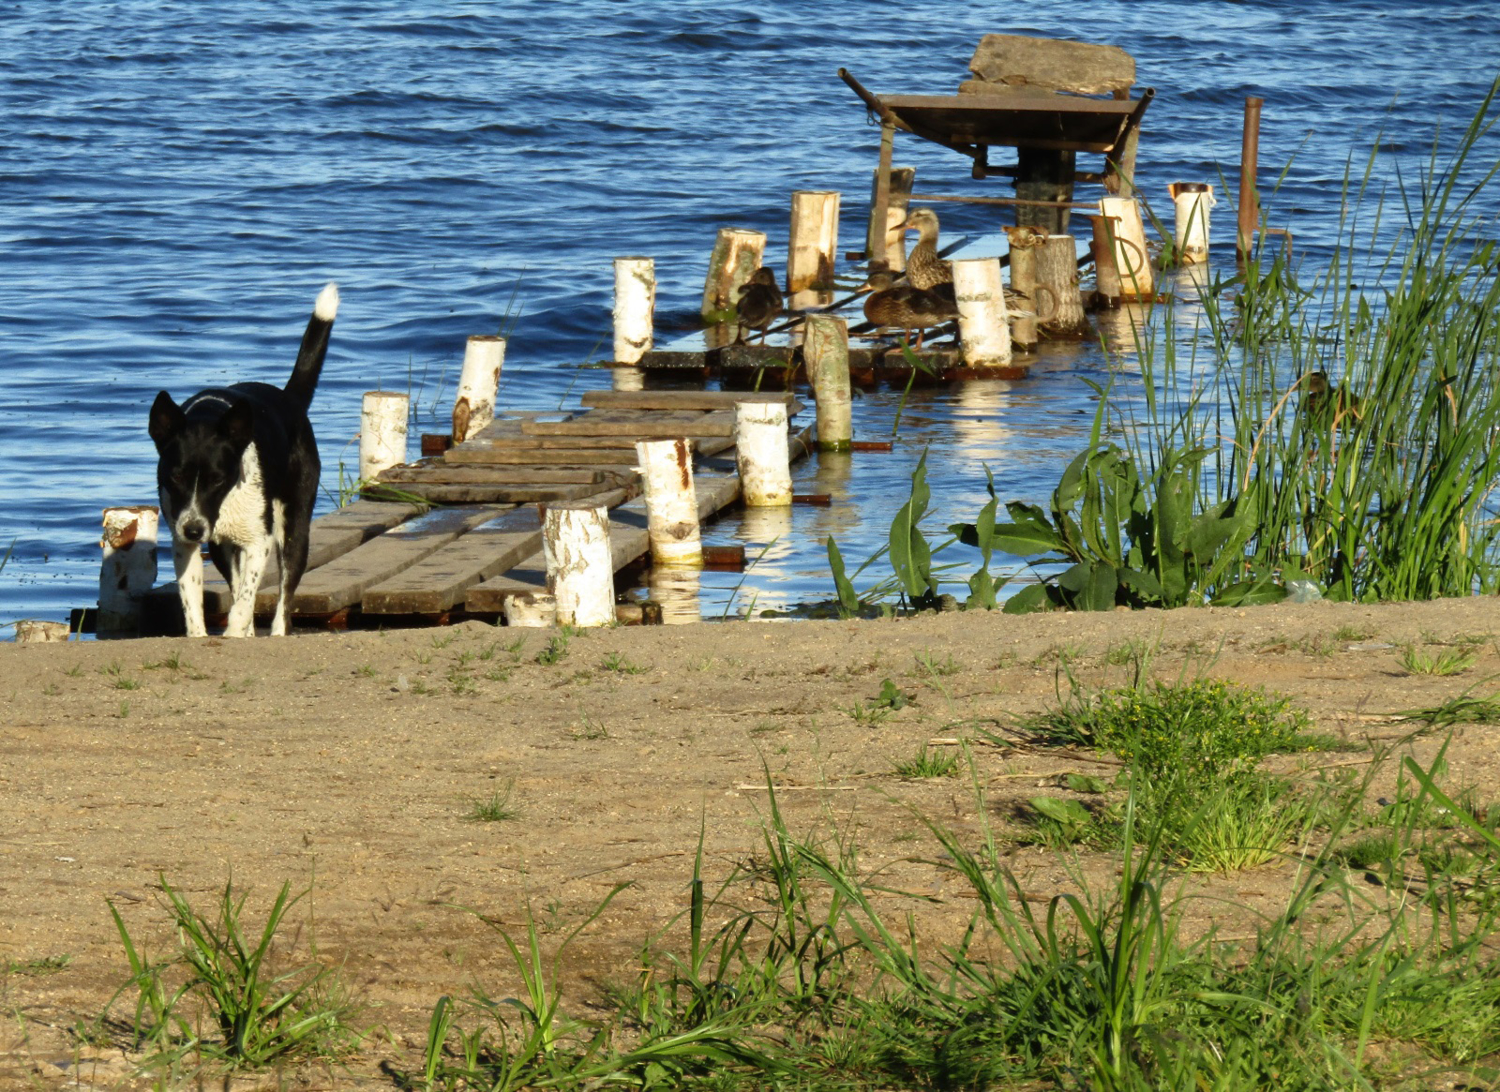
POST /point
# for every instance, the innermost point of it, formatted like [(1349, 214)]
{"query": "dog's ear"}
[(238, 425), (166, 418)]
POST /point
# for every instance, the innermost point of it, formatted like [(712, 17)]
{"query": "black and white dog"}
[(239, 471)]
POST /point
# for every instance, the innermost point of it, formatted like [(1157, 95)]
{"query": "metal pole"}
[(1249, 197)]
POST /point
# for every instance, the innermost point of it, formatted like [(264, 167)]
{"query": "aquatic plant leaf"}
[(1032, 598), (1250, 593), (1090, 585), (848, 599)]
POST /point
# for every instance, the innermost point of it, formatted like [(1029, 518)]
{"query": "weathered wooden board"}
[(490, 492), (436, 470), (439, 581), (478, 453), (684, 400), (343, 581), (640, 425)]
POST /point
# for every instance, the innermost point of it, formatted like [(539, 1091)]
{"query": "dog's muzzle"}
[(193, 530)]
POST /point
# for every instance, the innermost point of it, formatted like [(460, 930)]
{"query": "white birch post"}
[(382, 432), (484, 356), (534, 610), (1057, 273), (814, 240), (1132, 260), (825, 349), (31, 631), (635, 308), (984, 333), (128, 570), (580, 564), (671, 502), (738, 253), (1191, 202), (763, 454)]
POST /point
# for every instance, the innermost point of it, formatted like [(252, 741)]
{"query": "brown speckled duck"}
[(905, 307), (760, 302), (1326, 405), (925, 270)]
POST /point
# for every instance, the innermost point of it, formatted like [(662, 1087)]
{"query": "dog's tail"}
[(309, 364)]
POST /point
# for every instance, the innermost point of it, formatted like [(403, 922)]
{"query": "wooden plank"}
[(439, 471), (682, 400), (465, 455), (638, 425), (491, 492), (343, 581), (438, 582)]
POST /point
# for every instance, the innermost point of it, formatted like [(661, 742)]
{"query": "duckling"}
[(760, 302), (905, 306), (1327, 404)]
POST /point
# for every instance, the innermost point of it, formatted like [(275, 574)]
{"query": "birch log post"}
[(635, 308), (814, 240), (484, 356), (738, 253), (534, 610), (983, 332), (887, 242), (580, 564), (762, 454), (1057, 273), (825, 350), (128, 570), (1191, 201), (671, 502), (382, 432), (1132, 260)]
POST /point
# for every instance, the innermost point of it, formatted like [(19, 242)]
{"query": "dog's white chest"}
[(242, 516)]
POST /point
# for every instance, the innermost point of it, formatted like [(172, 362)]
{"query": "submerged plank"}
[(438, 582), (640, 425), (683, 400), (439, 471), (491, 492), (342, 582)]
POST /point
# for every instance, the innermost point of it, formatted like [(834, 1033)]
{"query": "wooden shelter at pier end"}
[(1042, 96)]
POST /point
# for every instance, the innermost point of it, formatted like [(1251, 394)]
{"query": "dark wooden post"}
[(875, 250), (1249, 199), (1043, 174)]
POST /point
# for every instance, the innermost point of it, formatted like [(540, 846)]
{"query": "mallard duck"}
[(905, 307), (1327, 404), (760, 302), (924, 268)]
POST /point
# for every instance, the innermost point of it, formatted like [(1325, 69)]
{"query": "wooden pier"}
[(450, 536)]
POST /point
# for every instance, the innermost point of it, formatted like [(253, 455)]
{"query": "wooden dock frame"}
[(447, 537)]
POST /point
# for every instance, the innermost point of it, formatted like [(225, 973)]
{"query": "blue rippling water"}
[(179, 180)]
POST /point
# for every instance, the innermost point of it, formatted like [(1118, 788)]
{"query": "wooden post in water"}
[(580, 564), (983, 332), (762, 455), (1057, 273), (635, 308), (484, 356), (1249, 220), (534, 610), (382, 432), (1023, 248), (814, 240), (671, 502), (1044, 175), (1191, 202), (1132, 259), (128, 571), (886, 241), (738, 253), (1106, 276), (825, 350)]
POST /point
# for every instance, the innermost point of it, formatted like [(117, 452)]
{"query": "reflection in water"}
[(765, 532), (1122, 329), (627, 379), (677, 592)]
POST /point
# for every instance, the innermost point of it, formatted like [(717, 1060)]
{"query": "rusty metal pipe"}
[(1249, 196)]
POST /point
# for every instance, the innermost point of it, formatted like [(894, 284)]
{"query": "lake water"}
[(180, 180)]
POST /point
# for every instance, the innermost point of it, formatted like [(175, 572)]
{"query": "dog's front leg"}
[(249, 566), (188, 563)]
